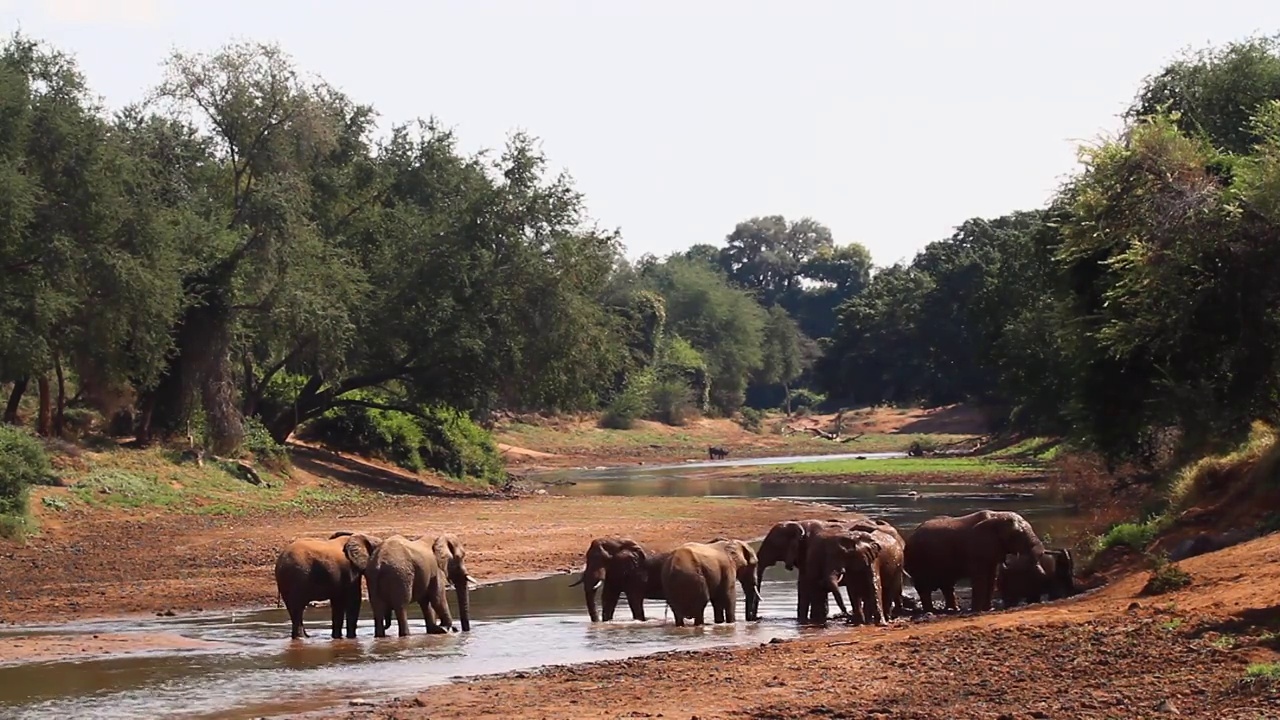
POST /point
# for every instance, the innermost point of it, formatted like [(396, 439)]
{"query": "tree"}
[(782, 360), (767, 254)]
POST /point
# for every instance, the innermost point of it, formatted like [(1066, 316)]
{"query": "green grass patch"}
[(1038, 449), (1136, 535), (1262, 674), (962, 466)]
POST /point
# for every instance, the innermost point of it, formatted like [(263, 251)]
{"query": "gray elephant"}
[(402, 571), (787, 542), (698, 574), (311, 569), (622, 566), (946, 549), (1016, 581)]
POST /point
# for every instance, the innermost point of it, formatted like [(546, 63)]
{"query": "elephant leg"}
[(402, 620), (802, 602), (354, 601), (926, 598), (699, 616), (381, 616), (298, 630), (678, 618), (982, 591), (440, 604), (429, 618), (338, 613), (610, 598), (840, 600), (731, 603), (717, 611), (949, 592), (878, 603), (636, 601)]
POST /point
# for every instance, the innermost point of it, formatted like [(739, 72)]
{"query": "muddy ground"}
[(1112, 653)]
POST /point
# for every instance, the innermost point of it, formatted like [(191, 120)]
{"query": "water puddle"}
[(249, 668)]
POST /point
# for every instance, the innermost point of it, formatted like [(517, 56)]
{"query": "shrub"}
[(1136, 535), (672, 401), (265, 449), (751, 419), (1165, 577), (633, 403), (23, 463), (1208, 475), (440, 438), (805, 399)]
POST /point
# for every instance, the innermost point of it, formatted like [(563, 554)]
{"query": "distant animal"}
[(717, 453)]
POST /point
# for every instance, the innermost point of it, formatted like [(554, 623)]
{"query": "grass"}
[(959, 466), (586, 439), (1165, 578), (136, 479), (1262, 674), (1037, 449), (1257, 455), (1135, 535)]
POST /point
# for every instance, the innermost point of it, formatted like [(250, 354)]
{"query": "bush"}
[(1165, 578), (23, 463), (265, 449), (1136, 535), (805, 399), (440, 438), (633, 403), (751, 419), (672, 401)]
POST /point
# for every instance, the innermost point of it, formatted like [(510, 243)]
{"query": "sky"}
[(891, 123)]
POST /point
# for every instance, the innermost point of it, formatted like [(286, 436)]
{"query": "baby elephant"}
[(696, 574), (1016, 581), (402, 571)]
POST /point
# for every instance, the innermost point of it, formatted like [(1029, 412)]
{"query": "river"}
[(251, 669)]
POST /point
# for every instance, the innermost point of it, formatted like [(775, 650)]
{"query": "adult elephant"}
[(1016, 581), (311, 569), (622, 566), (401, 571), (696, 574), (866, 562), (946, 549), (787, 542)]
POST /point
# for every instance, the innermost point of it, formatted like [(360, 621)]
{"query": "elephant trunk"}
[(462, 586), (589, 590)]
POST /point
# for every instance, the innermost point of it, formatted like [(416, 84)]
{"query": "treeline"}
[(1139, 312), (243, 254)]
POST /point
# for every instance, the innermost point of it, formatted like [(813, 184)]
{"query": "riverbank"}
[(1208, 650)]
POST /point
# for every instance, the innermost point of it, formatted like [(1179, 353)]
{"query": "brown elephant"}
[(696, 574), (1016, 582), (311, 569), (622, 566), (946, 549), (787, 542), (868, 563), (401, 571)]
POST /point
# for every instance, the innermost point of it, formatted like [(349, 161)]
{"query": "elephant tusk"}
[(472, 581), (595, 585)]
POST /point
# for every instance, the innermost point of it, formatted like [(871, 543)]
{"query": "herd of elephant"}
[(995, 551)]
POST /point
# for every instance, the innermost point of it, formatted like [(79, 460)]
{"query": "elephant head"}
[(1063, 582), (1008, 533), (358, 548), (450, 556), (782, 544), (611, 557), (746, 565)]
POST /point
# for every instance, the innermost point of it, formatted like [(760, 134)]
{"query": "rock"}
[(360, 702), (1039, 715), (1006, 716), (1134, 606), (1166, 706)]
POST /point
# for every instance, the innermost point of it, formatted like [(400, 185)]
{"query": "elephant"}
[(946, 549), (1015, 582), (310, 569), (402, 571), (622, 566), (867, 562), (696, 574), (787, 542)]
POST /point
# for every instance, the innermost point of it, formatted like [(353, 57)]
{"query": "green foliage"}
[(751, 419), (1262, 674), (802, 398), (23, 463), (672, 401), (126, 488), (634, 402), (1165, 577), (439, 438), (1134, 535), (265, 449)]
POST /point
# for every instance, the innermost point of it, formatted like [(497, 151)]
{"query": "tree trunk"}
[(59, 416), (44, 421), (786, 394), (15, 399)]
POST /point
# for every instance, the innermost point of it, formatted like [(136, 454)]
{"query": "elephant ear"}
[(636, 550), (359, 548), (449, 553)]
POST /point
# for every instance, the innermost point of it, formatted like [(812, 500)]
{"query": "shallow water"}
[(255, 670)]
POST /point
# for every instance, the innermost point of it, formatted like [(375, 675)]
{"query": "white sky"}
[(889, 122)]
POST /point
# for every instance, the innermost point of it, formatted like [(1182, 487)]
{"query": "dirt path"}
[(1108, 654)]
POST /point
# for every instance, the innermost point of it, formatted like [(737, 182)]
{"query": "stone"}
[(1166, 706)]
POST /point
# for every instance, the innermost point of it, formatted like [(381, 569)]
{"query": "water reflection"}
[(256, 670)]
